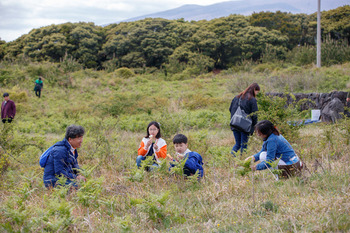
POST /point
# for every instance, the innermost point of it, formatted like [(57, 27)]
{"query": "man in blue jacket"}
[(62, 160)]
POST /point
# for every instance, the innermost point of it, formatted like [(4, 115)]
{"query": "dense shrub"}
[(124, 72), (332, 52)]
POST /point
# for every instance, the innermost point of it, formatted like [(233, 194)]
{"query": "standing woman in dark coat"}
[(249, 105)]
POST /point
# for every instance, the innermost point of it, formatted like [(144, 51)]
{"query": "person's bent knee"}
[(262, 156), (139, 160)]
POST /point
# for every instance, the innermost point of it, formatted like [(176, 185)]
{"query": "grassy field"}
[(115, 110)]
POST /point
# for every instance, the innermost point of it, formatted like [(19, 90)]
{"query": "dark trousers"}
[(241, 139), (38, 93), (9, 120)]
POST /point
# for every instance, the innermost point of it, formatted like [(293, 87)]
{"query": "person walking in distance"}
[(8, 109)]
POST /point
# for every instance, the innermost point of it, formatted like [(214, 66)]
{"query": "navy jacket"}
[(60, 162), (193, 163), (249, 106)]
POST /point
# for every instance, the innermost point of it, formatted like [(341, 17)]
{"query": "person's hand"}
[(253, 167), (148, 144), (250, 157), (347, 99), (169, 157), (80, 178), (155, 147)]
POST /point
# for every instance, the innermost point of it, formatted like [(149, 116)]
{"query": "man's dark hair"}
[(179, 138), (74, 131), (5, 94)]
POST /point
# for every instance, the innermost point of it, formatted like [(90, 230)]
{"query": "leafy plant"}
[(242, 166)]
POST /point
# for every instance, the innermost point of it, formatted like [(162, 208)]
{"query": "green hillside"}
[(115, 108)]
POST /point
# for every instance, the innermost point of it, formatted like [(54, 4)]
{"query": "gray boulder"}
[(330, 112)]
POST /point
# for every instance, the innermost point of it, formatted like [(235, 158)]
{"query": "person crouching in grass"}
[(63, 159), (193, 159), (275, 147)]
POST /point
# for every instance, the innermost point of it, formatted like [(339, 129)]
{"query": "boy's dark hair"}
[(74, 131), (5, 94), (179, 138)]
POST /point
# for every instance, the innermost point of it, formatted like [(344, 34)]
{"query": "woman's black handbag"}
[(240, 120)]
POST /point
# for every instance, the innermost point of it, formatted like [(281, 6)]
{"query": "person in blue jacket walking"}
[(63, 159), (193, 159), (275, 147)]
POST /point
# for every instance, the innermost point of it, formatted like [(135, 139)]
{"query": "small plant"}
[(124, 223), (269, 206), (154, 206), (89, 192), (243, 166), (136, 174)]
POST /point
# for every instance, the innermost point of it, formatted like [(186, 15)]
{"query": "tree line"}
[(176, 45)]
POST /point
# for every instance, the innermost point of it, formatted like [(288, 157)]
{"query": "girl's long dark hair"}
[(156, 124), (266, 127), (249, 92)]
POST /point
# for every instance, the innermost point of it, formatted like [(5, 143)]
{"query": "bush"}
[(124, 73), (332, 52), (286, 118), (17, 95)]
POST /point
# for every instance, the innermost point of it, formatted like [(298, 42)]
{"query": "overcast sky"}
[(18, 17)]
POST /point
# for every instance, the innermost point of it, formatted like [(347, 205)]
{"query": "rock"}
[(331, 111)]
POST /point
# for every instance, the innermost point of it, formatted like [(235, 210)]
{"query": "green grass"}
[(115, 112)]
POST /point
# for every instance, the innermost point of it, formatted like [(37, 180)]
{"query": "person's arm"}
[(161, 152), (271, 155), (254, 117), (230, 106), (233, 106), (13, 110), (142, 150), (61, 168)]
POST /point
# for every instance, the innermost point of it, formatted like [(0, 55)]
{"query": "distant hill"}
[(242, 7)]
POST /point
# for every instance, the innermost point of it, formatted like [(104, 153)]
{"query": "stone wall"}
[(315, 100), (322, 101)]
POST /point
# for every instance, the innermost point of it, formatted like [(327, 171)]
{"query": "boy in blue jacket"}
[(193, 159)]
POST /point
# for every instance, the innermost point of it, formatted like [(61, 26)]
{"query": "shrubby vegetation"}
[(115, 108), (114, 80), (186, 49)]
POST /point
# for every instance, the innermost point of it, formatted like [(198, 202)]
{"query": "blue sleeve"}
[(271, 155), (60, 165), (191, 165), (257, 155), (76, 165)]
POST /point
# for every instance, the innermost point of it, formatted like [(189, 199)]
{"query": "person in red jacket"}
[(8, 109)]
